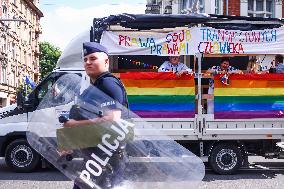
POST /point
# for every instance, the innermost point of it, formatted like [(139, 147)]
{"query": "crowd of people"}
[(254, 67), (174, 65)]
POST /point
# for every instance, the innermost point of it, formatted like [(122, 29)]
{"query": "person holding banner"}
[(224, 68), (96, 64), (174, 65)]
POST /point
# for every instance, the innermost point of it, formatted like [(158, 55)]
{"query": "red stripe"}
[(154, 76), (276, 77)]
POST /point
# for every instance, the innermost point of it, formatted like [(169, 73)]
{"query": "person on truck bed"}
[(174, 65), (222, 69), (253, 66), (278, 64)]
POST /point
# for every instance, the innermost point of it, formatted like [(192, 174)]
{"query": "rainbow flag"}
[(160, 95), (249, 96)]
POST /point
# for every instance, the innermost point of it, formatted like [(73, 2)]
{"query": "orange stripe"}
[(154, 76), (158, 83), (250, 84)]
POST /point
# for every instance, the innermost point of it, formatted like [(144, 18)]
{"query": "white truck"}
[(224, 143)]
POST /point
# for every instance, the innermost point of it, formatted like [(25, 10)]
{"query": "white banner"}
[(195, 40)]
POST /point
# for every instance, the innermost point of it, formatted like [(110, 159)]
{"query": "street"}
[(262, 174)]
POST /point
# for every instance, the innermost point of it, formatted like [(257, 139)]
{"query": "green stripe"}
[(160, 99), (248, 99)]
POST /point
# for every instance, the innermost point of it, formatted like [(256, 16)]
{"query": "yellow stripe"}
[(160, 91), (249, 92)]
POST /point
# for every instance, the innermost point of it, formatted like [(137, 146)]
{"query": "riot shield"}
[(101, 149)]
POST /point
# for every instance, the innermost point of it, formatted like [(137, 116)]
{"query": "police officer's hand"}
[(70, 123)]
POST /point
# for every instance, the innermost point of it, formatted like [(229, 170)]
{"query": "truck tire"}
[(20, 157), (226, 159)]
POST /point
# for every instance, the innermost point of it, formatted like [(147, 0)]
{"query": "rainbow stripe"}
[(160, 95), (249, 96)]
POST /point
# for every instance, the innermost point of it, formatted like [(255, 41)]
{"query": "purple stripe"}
[(165, 114), (249, 114)]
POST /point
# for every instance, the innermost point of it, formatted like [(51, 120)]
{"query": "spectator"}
[(222, 69), (174, 65)]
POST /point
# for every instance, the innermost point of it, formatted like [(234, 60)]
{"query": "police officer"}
[(96, 64)]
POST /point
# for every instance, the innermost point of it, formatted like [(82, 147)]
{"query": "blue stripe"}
[(162, 106), (248, 106)]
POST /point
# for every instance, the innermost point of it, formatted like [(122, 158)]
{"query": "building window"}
[(21, 6), (218, 7), (25, 59), (15, 25), (3, 75), (30, 37), (4, 44), (20, 53), (19, 23), (12, 78), (4, 11), (261, 8), (187, 6), (13, 51), (29, 61), (16, 76), (26, 11)]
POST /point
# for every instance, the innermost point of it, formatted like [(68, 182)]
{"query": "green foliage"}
[(49, 55), (25, 89)]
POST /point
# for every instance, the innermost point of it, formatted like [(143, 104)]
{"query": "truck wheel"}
[(20, 157), (225, 159)]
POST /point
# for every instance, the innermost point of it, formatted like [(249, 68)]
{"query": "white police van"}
[(19, 156), (225, 144)]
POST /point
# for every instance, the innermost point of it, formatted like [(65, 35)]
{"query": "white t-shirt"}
[(168, 67)]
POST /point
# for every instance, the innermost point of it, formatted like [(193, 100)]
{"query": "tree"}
[(49, 55)]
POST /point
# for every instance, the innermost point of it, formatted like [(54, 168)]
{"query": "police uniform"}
[(113, 88), (106, 93)]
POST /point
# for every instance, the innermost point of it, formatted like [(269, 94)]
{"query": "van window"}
[(48, 84)]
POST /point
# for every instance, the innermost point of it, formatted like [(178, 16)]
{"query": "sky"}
[(64, 19)]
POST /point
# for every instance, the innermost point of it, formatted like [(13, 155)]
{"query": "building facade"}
[(256, 8), (19, 48)]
